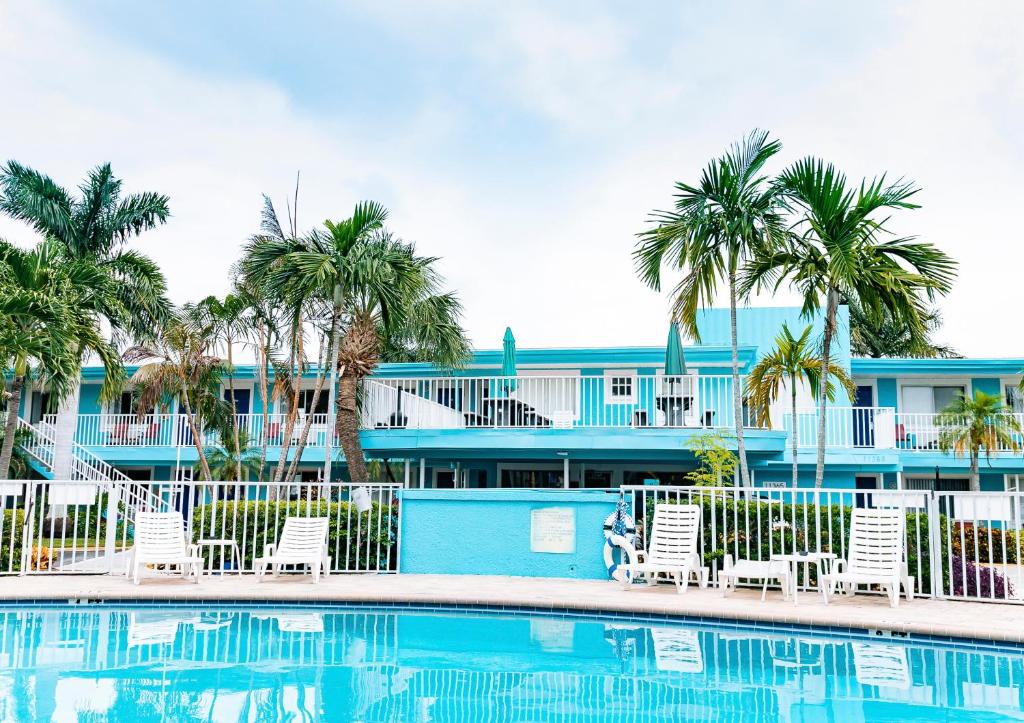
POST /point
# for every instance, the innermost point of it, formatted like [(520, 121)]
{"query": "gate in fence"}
[(53, 527)]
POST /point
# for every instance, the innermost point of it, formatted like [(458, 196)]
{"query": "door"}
[(863, 416), (864, 483), (243, 398), (40, 407)]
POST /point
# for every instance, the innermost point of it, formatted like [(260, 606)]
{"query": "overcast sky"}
[(525, 143)]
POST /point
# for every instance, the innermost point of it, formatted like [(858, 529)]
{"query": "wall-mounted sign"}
[(553, 529)]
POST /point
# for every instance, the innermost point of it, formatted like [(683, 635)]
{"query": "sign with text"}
[(553, 529)]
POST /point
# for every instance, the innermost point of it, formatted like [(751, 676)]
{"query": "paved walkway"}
[(923, 616)]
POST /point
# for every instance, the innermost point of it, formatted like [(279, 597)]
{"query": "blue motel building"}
[(593, 418)]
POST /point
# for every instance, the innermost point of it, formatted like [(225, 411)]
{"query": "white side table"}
[(823, 561), (235, 555)]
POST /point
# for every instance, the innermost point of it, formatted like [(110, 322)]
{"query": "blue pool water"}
[(225, 664)]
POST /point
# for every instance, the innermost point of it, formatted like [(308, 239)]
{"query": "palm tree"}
[(792, 362), (48, 319), (230, 320), (93, 228), (227, 464), (967, 426), (836, 251), (715, 228), (178, 366), (887, 337)]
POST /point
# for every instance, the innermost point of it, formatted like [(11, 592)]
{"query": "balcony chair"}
[(303, 542), (874, 556), (160, 540), (673, 549)]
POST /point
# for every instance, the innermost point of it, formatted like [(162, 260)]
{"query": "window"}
[(1014, 398), (306, 401), (620, 387), (920, 399)]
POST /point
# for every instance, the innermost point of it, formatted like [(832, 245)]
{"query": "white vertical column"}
[(408, 472), (423, 472), (565, 472)]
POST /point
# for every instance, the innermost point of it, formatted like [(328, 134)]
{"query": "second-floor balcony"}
[(626, 401)]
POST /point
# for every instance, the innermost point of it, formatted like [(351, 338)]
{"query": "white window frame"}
[(610, 375), (964, 382)]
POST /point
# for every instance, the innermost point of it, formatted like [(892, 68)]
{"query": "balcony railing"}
[(560, 402)]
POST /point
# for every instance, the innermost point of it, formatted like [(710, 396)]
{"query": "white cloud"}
[(935, 94)]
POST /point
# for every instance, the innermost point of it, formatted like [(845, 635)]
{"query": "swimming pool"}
[(156, 662)]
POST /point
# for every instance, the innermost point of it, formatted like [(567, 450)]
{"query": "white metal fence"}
[(87, 527), (958, 545)]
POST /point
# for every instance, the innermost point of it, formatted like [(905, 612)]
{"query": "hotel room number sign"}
[(553, 529)]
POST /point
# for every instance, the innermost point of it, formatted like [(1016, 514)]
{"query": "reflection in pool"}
[(225, 664)]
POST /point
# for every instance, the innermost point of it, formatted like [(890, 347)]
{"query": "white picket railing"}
[(845, 427), (566, 401), (85, 526), (914, 431)]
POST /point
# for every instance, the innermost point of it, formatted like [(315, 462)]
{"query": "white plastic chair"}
[(563, 419), (874, 556), (160, 540), (303, 542), (766, 570), (673, 549)]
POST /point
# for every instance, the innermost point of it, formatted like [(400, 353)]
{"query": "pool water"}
[(297, 664)]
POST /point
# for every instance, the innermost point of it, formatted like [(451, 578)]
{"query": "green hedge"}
[(11, 527), (257, 523)]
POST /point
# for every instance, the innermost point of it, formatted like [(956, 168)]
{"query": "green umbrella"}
[(508, 359), (675, 364)]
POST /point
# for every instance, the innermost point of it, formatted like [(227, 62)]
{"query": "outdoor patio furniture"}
[(672, 551), (303, 542), (160, 541), (764, 570), (677, 650), (874, 556)]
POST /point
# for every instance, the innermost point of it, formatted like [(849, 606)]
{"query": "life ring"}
[(619, 532)]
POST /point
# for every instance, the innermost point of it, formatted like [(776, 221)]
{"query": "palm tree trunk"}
[(826, 346), (204, 466), (348, 426), (737, 389), (332, 392), (792, 434), (11, 425), (304, 435), (64, 433), (264, 342), (234, 413), (293, 413), (975, 476)]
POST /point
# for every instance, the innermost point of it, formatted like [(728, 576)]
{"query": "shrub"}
[(362, 541), (973, 580), (983, 544), (11, 529)]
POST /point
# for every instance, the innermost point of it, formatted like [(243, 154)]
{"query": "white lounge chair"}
[(672, 551), (303, 542), (766, 570), (881, 665), (160, 540), (874, 556)]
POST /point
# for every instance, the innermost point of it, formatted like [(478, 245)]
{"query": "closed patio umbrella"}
[(675, 364), (508, 359)]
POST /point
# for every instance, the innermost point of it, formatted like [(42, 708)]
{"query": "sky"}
[(525, 144)]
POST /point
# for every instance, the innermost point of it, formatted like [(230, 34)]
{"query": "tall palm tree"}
[(396, 301), (969, 425), (792, 362), (177, 366), (93, 228), (48, 319), (715, 228), (230, 321), (838, 249)]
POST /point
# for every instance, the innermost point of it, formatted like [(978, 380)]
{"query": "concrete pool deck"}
[(991, 621)]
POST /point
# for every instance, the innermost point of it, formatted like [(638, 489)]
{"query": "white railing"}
[(959, 545), (914, 431), (638, 401), (84, 527), (845, 427)]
